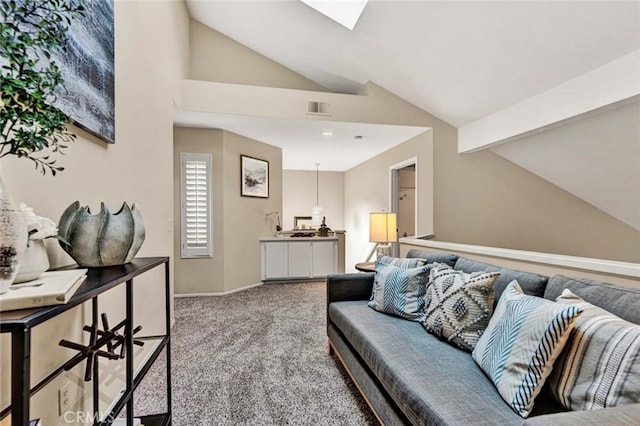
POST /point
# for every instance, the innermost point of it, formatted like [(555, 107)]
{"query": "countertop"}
[(294, 239)]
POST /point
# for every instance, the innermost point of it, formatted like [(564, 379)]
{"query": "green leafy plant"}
[(30, 31)]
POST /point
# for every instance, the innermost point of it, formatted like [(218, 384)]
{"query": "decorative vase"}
[(13, 239), (35, 262), (104, 239)]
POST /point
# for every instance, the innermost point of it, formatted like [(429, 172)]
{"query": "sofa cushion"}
[(524, 337), (402, 262), (531, 284), (434, 257), (620, 301), (426, 378), (600, 366), (458, 305), (400, 291), (385, 409)]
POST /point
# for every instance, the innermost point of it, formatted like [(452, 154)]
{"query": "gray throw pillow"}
[(600, 364)]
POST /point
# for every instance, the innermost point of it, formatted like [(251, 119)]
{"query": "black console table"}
[(99, 280)]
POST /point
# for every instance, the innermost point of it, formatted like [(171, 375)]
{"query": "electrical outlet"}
[(64, 398)]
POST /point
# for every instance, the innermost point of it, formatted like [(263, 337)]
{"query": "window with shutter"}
[(197, 229)]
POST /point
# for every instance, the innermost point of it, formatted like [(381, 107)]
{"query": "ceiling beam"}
[(610, 84)]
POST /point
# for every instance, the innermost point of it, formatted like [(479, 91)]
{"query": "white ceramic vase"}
[(13, 239), (35, 262)]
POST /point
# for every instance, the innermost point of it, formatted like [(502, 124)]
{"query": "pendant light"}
[(316, 211)]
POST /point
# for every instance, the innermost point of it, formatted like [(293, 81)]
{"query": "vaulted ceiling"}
[(460, 61), (468, 61)]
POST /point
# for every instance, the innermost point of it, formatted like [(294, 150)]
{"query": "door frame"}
[(394, 173)]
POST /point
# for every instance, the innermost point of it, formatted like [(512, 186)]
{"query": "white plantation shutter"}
[(196, 205)]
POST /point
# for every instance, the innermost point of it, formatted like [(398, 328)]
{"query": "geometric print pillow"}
[(600, 365), (458, 305), (524, 337), (400, 291)]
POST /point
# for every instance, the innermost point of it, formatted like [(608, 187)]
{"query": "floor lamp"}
[(383, 230)]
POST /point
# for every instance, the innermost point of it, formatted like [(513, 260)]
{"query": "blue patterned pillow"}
[(402, 262), (524, 337), (400, 291)]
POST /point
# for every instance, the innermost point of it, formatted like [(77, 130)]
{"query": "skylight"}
[(344, 12)]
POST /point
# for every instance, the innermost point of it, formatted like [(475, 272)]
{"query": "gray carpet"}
[(257, 357)]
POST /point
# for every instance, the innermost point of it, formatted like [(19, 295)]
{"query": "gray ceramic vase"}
[(104, 239)]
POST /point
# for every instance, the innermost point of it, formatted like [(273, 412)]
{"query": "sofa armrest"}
[(615, 416), (344, 287), (347, 287)]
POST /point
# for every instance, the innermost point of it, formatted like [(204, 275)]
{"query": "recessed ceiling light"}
[(344, 12), (327, 133), (358, 137)]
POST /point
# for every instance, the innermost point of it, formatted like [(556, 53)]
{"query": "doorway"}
[(404, 198)]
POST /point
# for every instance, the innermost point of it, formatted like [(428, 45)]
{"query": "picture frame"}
[(254, 177), (300, 221)]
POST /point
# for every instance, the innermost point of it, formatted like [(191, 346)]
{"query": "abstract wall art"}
[(88, 72)]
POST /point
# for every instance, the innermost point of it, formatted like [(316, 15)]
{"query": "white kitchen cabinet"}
[(303, 258), (299, 259), (274, 260), (324, 255)]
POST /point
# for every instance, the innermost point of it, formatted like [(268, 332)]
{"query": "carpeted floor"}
[(257, 357)]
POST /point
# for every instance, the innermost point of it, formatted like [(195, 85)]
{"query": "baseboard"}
[(223, 293)]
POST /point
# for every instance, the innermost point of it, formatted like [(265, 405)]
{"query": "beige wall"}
[(200, 275), (238, 222), (476, 198), (245, 218), (151, 39), (367, 190), (480, 198), (216, 57), (299, 196), (484, 199)]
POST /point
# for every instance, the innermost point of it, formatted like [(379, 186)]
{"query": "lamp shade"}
[(383, 227)]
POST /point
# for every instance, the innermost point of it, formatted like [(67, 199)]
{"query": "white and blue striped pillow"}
[(524, 337), (600, 366), (402, 262), (400, 291)]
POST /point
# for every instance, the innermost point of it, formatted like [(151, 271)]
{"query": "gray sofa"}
[(409, 376)]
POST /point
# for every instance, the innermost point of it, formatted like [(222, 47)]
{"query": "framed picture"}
[(303, 222), (254, 177)]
